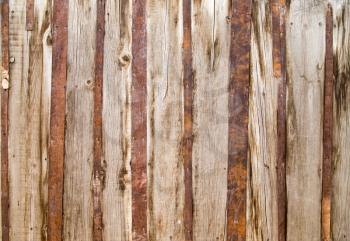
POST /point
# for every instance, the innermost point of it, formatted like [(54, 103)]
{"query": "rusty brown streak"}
[(29, 15), (138, 122), (99, 172), (4, 123), (57, 120), (187, 141), (327, 130), (238, 120), (279, 69)]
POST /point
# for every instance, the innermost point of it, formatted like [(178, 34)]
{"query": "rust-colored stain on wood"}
[(57, 120), (139, 122), (327, 130), (188, 103), (238, 120), (29, 15), (278, 8), (5, 218)]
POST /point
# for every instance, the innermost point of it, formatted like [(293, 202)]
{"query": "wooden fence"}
[(175, 120)]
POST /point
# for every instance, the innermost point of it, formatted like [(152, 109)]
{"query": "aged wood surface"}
[(262, 211), (30, 15), (78, 168), (165, 120), (29, 115), (139, 121), (238, 104), (341, 119), (327, 130), (57, 120), (210, 41), (305, 27), (116, 121)]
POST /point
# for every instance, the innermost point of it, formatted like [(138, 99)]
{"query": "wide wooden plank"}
[(211, 43), (262, 209), (29, 116), (78, 202), (340, 212), (165, 120), (305, 36), (116, 121)]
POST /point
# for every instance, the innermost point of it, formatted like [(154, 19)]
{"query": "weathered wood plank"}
[(57, 120), (305, 57), (28, 115), (165, 120), (341, 119), (211, 42), (262, 209), (78, 173), (30, 15), (116, 121), (238, 120), (139, 121)]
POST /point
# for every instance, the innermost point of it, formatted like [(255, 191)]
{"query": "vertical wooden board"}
[(211, 42), (262, 184), (29, 118), (79, 121), (165, 120), (341, 119), (116, 121), (305, 58)]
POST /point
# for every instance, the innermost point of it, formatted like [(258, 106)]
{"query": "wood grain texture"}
[(340, 212), (238, 120), (29, 117), (262, 209), (30, 15), (116, 121), (165, 120), (139, 121), (305, 27), (210, 41), (78, 172)]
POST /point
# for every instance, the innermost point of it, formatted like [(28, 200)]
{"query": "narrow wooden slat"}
[(57, 120), (165, 120), (327, 130), (238, 120), (30, 15), (98, 170), (188, 118), (210, 50), (305, 41), (139, 121), (79, 142), (340, 211), (4, 123), (262, 209), (116, 121), (278, 8)]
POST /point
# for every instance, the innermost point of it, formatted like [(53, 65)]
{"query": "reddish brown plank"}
[(327, 130), (188, 103), (99, 172), (238, 120), (57, 119), (29, 15), (278, 8), (4, 122), (139, 121)]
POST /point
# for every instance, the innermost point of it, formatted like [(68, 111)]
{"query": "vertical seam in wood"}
[(278, 8), (4, 123), (139, 121), (327, 130), (238, 120), (29, 15), (99, 172), (188, 103), (57, 120)]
